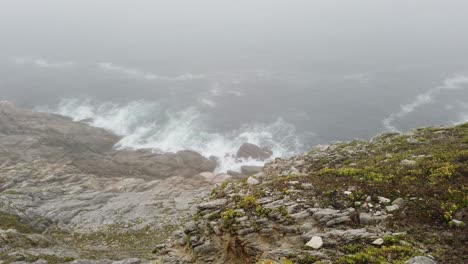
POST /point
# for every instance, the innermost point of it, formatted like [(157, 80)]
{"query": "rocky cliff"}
[(399, 198), (67, 196)]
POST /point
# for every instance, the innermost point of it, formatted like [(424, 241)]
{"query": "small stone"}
[(457, 223), (306, 186), (347, 192), (392, 208), (251, 170), (383, 200), (315, 242), (398, 201), (378, 242), (252, 181)]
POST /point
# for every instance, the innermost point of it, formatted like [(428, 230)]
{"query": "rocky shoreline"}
[(67, 196)]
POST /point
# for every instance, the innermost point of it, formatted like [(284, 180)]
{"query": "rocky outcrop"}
[(26, 136), (66, 180), (248, 150), (345, 203)]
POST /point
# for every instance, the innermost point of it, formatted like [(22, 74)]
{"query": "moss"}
[(9, 221), (307, 259), (391, 240), (248, 202), (229, 219), (385, 254), (261, 211)]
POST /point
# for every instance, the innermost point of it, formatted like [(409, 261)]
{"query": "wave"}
[(42, 63), (142, 75), (453, 83), (145, 124)]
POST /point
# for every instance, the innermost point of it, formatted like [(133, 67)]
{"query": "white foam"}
[(148, 76), (453, 83), (42, 63), (174, 131)]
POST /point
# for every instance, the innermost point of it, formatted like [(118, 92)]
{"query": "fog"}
[(303, 72)]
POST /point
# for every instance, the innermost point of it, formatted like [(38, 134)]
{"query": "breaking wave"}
[(145, 124), (454, 83)]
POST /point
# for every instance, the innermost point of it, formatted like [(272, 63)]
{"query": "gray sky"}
[(337, 68), (221, 33)]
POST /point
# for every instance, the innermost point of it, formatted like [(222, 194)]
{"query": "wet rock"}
[(315, 242), (421, 260), (248, 150), (196, 161), (236, 175), (251, 170)]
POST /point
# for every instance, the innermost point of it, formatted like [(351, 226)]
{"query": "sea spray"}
[(144, 124)]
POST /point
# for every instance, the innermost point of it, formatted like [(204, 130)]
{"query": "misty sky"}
[(335, 69), (238, 33)]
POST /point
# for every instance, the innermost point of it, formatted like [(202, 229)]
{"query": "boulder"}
[(248, 150), (251, 170), (236, 174), (315, 242), (196, 160)]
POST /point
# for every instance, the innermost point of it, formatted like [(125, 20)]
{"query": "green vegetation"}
[(229, 219), (9, 221), (385, 254), (248, 202), (427, 168)]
